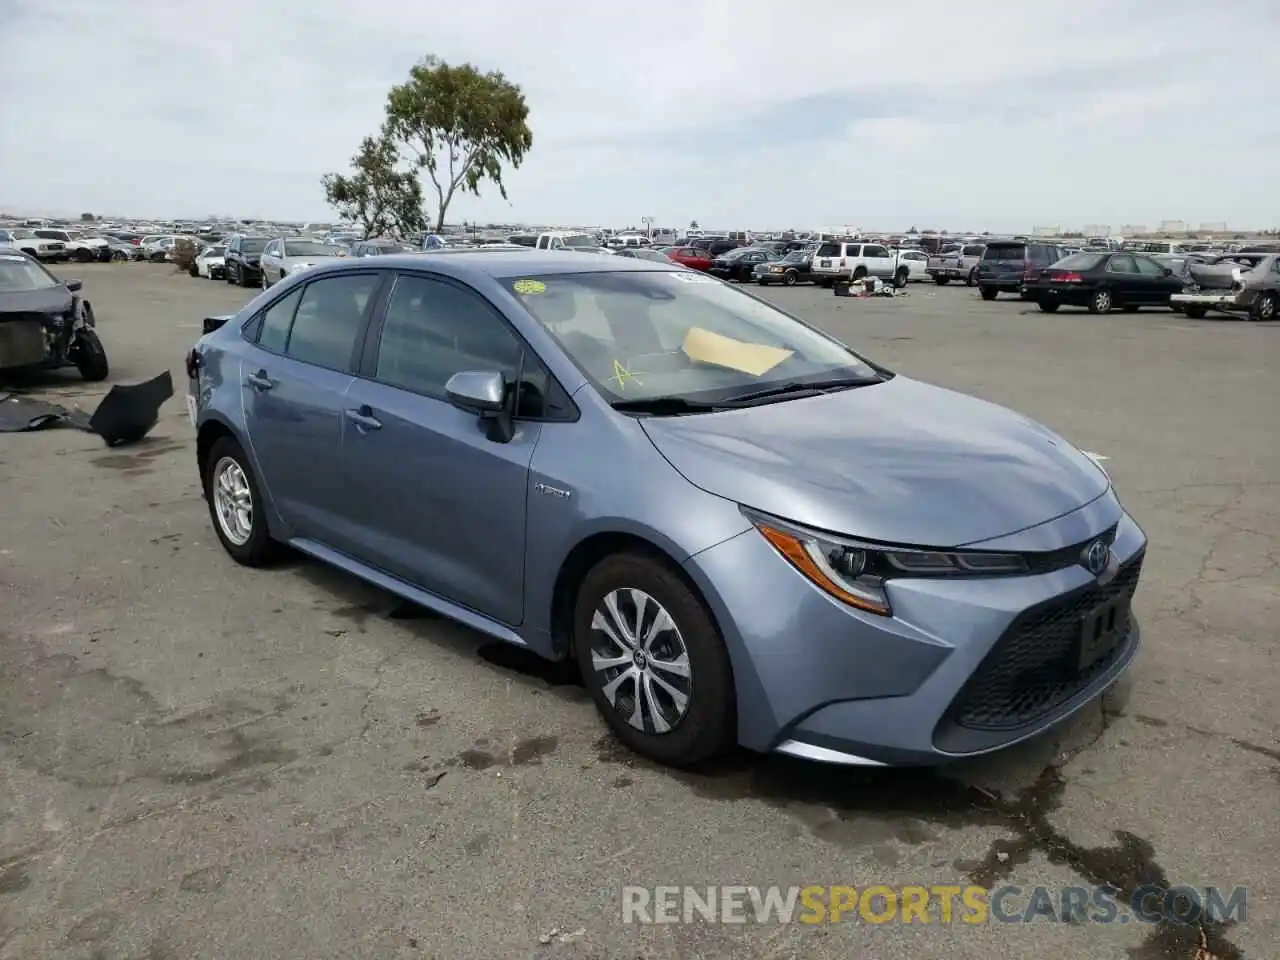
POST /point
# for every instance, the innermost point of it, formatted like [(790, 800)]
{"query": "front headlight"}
[(856, 572)]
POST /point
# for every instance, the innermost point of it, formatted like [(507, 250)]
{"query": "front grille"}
[(22, 341), (1032, 669)]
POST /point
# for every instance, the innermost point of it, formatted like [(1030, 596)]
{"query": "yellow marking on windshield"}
[(529, 286), (756, 359), (622, 375)]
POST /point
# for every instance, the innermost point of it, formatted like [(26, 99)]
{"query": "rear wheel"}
[(235, 505), (1195, 312), (942, 281), (1264, 308), (901, 278), (653, 661), (1101, 302), (989, 293), (860, 274), (1049, 307)]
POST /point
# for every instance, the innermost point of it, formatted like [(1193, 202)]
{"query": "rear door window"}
[(829, 250), (873, 250), (330, 318), (1122, 263)]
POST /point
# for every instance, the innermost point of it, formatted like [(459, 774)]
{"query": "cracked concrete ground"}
[(201, 761)]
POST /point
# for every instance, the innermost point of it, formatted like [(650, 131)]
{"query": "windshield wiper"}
[(665, 406), (799, 389)]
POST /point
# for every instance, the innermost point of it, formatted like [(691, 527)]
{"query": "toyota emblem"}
[(1096, 557)]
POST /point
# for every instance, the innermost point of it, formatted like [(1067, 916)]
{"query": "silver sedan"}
[(286, 255)]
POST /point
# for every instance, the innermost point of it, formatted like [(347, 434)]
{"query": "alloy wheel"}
[(641, 661), (233, 500)]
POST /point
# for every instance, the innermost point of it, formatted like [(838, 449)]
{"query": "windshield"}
[(642, 335), (580, 241), (23, 234), (252, 245), (214, 252), (308, 248), (974, 251), (19, 274)]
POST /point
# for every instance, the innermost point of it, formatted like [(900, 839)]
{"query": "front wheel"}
[(1048, 307), (235, 505), (89, 356), (654, 662), (85, 256), (790, 278), (989, 293), (1195, 312), (229, 275), (244, 278), (972, 279), (901, 278), (1101, 302), (1264, 308)]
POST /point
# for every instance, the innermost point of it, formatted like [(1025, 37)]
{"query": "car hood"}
[(900, 462), (51, 300)]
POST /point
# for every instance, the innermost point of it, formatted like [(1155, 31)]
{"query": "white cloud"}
[(748, 113)]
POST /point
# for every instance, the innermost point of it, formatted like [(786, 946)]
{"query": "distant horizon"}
[(1028, 228)]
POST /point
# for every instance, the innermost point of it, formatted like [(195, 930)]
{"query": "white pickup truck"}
[(24, 239), (566, 240), (77, 245), (956, 262)]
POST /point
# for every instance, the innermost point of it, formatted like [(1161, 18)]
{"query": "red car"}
[(690, 257)]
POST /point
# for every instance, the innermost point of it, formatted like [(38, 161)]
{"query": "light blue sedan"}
[(740, 530)]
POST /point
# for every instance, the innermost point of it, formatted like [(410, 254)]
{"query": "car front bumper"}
[(964, 666)]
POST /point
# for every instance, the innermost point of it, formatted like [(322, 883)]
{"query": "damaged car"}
[(45, 322), (1253, 289)]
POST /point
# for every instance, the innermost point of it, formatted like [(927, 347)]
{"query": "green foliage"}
[(459, 125), (377, 196), (87, 218), (693, 224)]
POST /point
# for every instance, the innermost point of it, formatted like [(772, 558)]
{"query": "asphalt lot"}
[(202, 761)]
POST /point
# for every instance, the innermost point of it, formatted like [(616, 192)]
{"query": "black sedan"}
[(1101, 282), (740, 263), (790, 270), (44, 322)]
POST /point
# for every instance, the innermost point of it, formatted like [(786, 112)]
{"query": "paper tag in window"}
[(756, 359)]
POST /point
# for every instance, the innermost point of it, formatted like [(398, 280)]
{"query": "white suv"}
[(77, 245), (26, 240), (855, 260)]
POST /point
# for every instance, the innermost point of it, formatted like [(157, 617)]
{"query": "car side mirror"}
[(480, 392), (74, 285), (484, 393)]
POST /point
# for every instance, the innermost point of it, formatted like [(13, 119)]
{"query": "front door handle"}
[(364, 419), (259, 381)]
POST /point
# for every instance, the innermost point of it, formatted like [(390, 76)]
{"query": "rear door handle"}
[(259, 381), (363, 418)]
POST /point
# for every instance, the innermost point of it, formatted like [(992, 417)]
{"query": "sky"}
[(746, 114)]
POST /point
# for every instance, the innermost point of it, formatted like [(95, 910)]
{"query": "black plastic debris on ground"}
[(126, 414)]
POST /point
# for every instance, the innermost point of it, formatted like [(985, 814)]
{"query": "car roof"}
[(505, 264)]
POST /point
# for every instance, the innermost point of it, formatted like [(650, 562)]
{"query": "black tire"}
[(229, 275), (972, 279), (263, 280), (244, 278), (193, 270), (825, 282), (89, 356), (902, 278), (859, 274), (708, 727), (989, 293), (259, 550), (1048, 307), (1195, 312), (1101, 302), (790, 278), (85, 255), (942, 281), (1264, 308)]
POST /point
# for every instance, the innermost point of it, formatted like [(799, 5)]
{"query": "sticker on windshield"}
[(688, 276), (529, 286)]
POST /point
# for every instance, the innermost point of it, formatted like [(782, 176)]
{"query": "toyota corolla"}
[(741, 530)]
